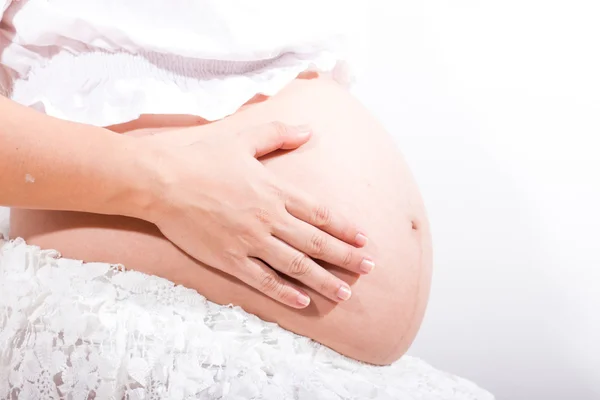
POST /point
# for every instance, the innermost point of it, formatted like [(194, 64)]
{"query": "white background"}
[(496, 106)]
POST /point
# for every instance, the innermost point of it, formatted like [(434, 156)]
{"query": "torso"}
[(111, 63), (353, 163)]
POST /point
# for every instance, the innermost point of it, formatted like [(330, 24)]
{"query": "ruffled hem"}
[(109, 88)]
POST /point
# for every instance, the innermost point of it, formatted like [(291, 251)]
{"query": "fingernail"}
[(304, 129), (366, 266), (344, 292), (303, 299), (361, 239)]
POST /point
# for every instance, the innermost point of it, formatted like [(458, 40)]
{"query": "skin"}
[(351, 162), (203, 191)]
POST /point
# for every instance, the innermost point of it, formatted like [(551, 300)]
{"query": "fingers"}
[(299, 266), (266, 280), (320, 216), (265, 139), (322, 246)]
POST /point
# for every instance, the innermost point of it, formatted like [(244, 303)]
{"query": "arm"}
[(207, 193), (48, 163)]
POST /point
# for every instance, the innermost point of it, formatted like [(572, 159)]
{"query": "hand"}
[(219, 204)]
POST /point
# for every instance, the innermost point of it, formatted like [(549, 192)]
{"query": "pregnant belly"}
[(352, 163)]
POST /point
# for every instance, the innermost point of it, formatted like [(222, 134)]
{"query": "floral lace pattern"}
[(70, 330)]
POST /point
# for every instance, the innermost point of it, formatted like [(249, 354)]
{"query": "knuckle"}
[(299, 266), (327, 286), (280, 130), (249, 235), (234, 256), (270, 284), (264, 216), (348, 257), (318, 245), (321, 216), (280, 194), (276, 190)]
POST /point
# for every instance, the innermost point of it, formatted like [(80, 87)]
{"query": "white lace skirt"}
[(93, 331)]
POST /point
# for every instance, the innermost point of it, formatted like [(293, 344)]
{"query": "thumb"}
[(265, 139)]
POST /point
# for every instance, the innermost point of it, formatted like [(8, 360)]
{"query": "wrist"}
[(139, 192)]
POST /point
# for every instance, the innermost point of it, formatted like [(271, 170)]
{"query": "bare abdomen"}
[(353, 164)]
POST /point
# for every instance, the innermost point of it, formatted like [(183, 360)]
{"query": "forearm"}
[(48, 163)]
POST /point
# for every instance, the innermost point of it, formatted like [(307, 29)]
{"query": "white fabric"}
[(69, 330), (108, 61), (73, 330), (3, 6), (4, 216)]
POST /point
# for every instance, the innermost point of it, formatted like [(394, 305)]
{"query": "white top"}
[(104, 62)]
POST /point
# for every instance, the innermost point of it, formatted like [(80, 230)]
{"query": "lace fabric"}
[(73, 330)]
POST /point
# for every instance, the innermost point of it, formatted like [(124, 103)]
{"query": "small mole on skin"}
[(29, 178)]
